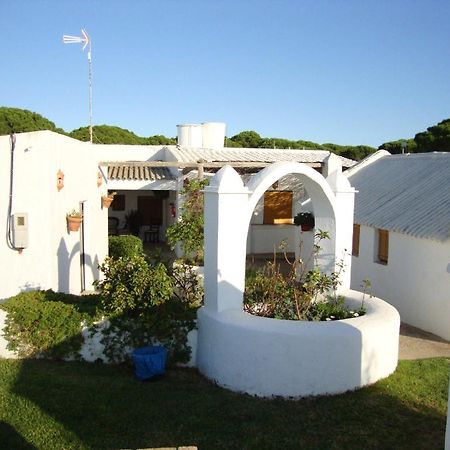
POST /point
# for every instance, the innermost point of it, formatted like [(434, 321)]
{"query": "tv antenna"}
[(85, 40)]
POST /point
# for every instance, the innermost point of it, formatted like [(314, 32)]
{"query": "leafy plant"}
[(43, 323), (125, 245), (188, 231), (188, 287), (301, 294), (130, 285), (75, 213), (304, 218)]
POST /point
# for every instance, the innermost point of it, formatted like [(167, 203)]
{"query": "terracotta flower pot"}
[(73, 223), (106, 201)]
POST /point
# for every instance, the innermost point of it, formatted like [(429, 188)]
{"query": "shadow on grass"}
[(11, 439), (98, 406)]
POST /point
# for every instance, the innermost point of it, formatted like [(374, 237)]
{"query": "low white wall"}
[(92, 349), (267, 238), (416, 279), (269, 357)]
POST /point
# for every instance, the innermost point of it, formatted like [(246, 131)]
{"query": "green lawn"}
[(56, 405)]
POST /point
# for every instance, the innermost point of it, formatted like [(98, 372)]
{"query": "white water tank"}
[(189, 135), (213, 134)]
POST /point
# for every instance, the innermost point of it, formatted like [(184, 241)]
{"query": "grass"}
[(61, 405)]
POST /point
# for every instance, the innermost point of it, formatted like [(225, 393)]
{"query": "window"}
[(383, 246), (356, 233), (118, 203), (277, 207)]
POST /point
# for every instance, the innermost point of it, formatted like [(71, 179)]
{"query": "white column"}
[(226, 205), (344, 206)]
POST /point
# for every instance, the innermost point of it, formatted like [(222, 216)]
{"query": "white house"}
[(44, 175), (402, 235)]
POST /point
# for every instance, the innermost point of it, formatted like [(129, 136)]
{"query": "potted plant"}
[(74, 219), (108, 199), (305, 219)]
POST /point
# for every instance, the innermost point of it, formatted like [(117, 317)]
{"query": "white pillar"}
[(226, 204), (344, 206)]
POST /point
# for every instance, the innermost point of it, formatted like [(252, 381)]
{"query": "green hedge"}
[(125, 246), (44, 323)]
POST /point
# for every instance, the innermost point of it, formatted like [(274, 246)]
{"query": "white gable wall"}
[(52, 258), (416, 279)]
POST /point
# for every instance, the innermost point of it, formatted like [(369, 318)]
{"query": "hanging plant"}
[(305, 219), (74, 219), (108, 199)]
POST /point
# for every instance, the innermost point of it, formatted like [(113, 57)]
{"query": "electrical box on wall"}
[(20, 230)]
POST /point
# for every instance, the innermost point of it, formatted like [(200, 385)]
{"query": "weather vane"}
[(85, 40)]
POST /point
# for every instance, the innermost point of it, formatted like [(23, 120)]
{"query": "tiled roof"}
[(189, 154), (408, 194), (122, 172)]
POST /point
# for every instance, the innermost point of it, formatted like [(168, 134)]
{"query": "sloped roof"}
[(118, 171), (408, 194), (189, 154)]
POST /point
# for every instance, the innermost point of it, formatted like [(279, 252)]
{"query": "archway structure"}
[(267, 357), (228, 209)]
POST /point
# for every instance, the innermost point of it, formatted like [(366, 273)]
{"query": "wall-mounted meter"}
[(20, 230)]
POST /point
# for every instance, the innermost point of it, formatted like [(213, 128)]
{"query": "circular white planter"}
[(270, 357)]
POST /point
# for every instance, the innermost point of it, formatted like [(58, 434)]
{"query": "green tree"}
[(247, 139), (400, 146), (16, 120), (435, 139), (107, 134)]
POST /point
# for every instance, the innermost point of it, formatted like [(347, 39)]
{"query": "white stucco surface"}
[(52, 258), (416, 279), (269, 357)]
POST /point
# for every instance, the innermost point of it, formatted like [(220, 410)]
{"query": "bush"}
[(301, 294), (125, 246), (131, 285), (45, 323), (189, 230)]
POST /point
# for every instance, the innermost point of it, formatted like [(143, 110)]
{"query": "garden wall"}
[(270, 357)]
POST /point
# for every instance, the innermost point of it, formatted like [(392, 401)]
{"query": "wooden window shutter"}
[(356, 233), (383, 246), (277, 207)]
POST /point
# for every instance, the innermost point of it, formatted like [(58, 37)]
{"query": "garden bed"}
[(272, 357)]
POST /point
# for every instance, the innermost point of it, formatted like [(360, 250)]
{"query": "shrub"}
[(189, 230), (301, 294), (125, 246), (131, 285), (45, 323)]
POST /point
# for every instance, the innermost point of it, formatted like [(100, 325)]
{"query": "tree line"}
[(435, 138)]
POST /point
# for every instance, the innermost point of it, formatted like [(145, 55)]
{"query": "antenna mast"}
[(85, 40)]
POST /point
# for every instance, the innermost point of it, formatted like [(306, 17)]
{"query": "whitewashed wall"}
[(52, 259), (416, 279)]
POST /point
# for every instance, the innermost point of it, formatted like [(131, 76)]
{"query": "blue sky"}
[(342, 71)]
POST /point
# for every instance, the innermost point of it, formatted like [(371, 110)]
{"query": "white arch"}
[(314, 182)]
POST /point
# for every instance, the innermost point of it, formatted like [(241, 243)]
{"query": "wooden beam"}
[(195, 165)]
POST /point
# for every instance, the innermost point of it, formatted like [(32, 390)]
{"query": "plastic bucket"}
[(149, 361)]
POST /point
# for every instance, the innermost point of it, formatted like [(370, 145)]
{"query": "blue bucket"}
[(149, 361)]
